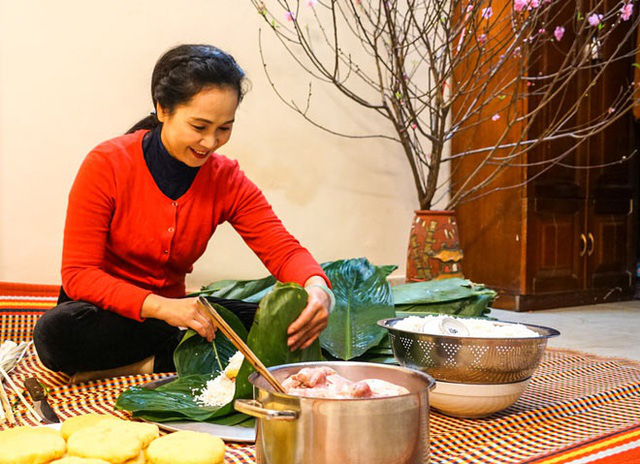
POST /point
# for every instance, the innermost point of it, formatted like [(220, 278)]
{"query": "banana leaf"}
[(459, 297), (363, 296), (198, 361), (251, 291), (268, 335)]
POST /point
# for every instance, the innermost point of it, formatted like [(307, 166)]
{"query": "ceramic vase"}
[(434, 249)]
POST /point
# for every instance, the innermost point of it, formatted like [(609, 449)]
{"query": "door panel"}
[(552, 171), (555, 245), (611, 148), (610, 255)]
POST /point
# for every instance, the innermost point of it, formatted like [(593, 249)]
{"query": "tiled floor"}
[(610, 329)]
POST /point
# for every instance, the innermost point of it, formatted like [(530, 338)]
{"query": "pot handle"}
[(254, 408)]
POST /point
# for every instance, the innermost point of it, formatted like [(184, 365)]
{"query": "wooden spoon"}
[(240, 345)]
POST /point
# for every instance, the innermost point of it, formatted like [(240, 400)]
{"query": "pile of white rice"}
[(476, 327), (220, 390)]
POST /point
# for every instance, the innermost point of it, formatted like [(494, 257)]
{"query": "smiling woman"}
[(193, 132), (142, 210)]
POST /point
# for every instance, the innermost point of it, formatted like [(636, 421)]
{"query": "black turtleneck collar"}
[(173, 177)]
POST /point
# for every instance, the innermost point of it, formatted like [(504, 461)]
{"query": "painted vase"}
[(434, 249)]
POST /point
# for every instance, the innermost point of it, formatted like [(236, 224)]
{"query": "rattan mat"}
[(573, 397)]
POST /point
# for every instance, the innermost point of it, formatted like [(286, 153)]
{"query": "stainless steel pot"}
[(298, 430)]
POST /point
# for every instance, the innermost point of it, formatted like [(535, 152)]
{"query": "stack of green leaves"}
[(458, 297)]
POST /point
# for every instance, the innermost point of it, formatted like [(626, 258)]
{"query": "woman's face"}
[(199, 127)]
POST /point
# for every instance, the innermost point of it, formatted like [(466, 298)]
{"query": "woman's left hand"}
[(312, 320)]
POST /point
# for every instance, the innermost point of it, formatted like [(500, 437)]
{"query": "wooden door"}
[(557, 190), (611, 223)]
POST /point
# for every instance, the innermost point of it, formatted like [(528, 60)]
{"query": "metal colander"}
[(469, 359)]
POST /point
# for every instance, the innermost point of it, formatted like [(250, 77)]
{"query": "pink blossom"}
[(519, 5), (469, 8), (414, 126), (482, 38), (290, 16), (487, 12), (558, 33), (626, 11), (542, 30), (312, 3), (495, 117), (611, 110), (594, 19)]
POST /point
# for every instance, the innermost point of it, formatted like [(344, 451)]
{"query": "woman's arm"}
[(253, 218)]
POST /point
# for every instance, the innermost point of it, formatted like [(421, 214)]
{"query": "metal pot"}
[(298, 430)]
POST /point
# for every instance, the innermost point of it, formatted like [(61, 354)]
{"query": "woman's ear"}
[(161, 113)]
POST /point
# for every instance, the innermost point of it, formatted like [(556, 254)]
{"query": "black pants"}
[(76, 336)]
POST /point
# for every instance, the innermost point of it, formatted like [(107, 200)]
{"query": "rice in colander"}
[(477, 327)]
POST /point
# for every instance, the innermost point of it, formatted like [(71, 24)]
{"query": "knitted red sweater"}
[(124, 239)]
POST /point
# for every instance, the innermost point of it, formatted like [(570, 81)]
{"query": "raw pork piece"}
[(324, 382)]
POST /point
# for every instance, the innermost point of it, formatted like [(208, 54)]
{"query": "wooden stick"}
[(34, 414), (6, 406), (240, 345)]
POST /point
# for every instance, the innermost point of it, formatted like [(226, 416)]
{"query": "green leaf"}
[(195, 355), (268, 335), (459, 297), (174, 401), (247, 290), (197, 361), (438, 291), (363, 296), (637, 65)]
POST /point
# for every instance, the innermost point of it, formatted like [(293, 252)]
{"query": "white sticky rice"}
[(220, 390), (476, 327)]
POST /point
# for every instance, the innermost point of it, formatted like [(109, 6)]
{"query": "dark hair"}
[(184, 71)]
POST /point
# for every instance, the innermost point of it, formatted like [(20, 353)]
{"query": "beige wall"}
[(74, 73)]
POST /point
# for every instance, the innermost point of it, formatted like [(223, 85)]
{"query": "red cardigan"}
[(124, 239)]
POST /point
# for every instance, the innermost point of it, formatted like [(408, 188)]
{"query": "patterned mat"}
[(576, 406)]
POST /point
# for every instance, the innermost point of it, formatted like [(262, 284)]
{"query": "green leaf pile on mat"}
[(198, 361), (458, 297)]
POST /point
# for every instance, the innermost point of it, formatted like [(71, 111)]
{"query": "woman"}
[(141, 211)]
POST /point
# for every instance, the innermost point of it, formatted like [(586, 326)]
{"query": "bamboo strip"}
[(6, 406), (13, 386), (240, 345)]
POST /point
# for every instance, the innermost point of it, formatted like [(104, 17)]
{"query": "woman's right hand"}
[(179, 312)]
